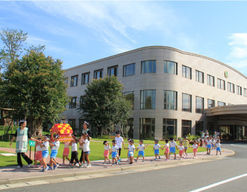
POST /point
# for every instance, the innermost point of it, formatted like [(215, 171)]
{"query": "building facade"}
[(169, 89)]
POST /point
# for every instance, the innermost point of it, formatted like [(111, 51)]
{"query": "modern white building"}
[(170, 90)]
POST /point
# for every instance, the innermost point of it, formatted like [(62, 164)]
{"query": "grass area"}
[(97, 150)]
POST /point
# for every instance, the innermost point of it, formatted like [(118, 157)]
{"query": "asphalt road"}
[(184, 178)]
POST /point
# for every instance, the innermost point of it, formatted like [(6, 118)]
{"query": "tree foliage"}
[(34, 87), (104, 105)]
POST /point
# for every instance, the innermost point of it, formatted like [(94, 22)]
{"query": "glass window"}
[(148, 99), (98, 74), (170, 100), (220, 103), (211, 80), (186, 103), (148, 66), (211, 103), (245, 92), (186, 128), (221, 84), (66, 80), (147, 128), (239, 90), (230, 87), (74, 81), (72, 103), (169, 128), (199, 76), (199, 104), (130, 97), (81, 100), (170, 67), (112, 71), (85, 78), (199, 127), (129, 69), (186, 71)]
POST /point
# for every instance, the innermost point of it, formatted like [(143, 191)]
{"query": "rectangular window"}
[(187, 102), (74, 81), (221, 84), (130, 97), (85, 78), (186, 128), (245, 92), (199, 76), (170, 100), (66, 80), (211, 80), (112, 71), (170, 67), (147, 128), (199, 127), (98, 74), (230, 87), (220, 103), (72, 103), (129, 69), (239, 90), (187, 72), (169, 128), (148, 66), (81, 100), (199, 104), (211, 103), (72, 123), (148, 99)]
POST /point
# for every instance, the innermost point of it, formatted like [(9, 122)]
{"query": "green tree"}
[(104, 105), (34, 87)]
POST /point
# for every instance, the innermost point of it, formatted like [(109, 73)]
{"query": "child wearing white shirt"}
[(141, 149), (156, 149), (195, 148), (54, 150), (218, 147), (119, 142), (74, 154), (86, 150), (173, 146), (131, 150), (181, 149), (114, 153), (45, 153), (106, 151)]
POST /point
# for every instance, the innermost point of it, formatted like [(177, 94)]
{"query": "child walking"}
[(54, 150), (38, 153), (45, 153), (166, 148), (114, 153), (131, 150), (195, 148), (186, 145), (86, 150), (181, 149), (141, 149), (106, 151), (218, 147), (74, 154), (209, 145), (156, 149), (173, 146), (119, 142), (66, 152)]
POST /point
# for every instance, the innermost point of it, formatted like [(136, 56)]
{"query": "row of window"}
[(148, 99), (149, 66)]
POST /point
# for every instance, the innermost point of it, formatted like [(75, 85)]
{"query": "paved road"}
[(185, 178)]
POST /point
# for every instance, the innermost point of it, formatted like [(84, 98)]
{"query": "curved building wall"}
[(160, 81)]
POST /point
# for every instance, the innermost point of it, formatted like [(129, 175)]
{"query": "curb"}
[(147, 167)]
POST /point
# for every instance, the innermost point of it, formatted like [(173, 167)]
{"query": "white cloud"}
[(238, 50)]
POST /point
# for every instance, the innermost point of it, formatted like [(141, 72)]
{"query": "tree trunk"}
[(35, 126)]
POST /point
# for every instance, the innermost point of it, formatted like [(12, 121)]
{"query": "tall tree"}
[(34, 87), (104, 105), (12, 45)]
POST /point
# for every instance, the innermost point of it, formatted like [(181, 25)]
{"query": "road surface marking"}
[(219, 183)]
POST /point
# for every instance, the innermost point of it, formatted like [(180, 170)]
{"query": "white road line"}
[(219, 183)]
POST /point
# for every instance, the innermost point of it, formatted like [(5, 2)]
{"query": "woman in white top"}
[(86, 150)]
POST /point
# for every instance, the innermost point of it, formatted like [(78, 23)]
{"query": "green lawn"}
[(97, 150)]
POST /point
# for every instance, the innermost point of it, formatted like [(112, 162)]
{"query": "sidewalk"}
[(12, 175)]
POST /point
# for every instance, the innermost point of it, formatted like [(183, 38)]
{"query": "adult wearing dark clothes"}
[(85, 130), (21, 137)]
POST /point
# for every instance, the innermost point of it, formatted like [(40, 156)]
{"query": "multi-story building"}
[(169, 89)]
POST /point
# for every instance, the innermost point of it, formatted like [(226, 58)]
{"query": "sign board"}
[(31, 143)]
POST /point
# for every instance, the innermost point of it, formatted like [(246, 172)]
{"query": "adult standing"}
[(21, 137), (85, 131)]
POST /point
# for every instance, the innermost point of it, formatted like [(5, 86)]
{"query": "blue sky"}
[(82, 31)]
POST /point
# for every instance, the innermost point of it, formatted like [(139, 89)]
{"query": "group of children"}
[(170, 148)]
